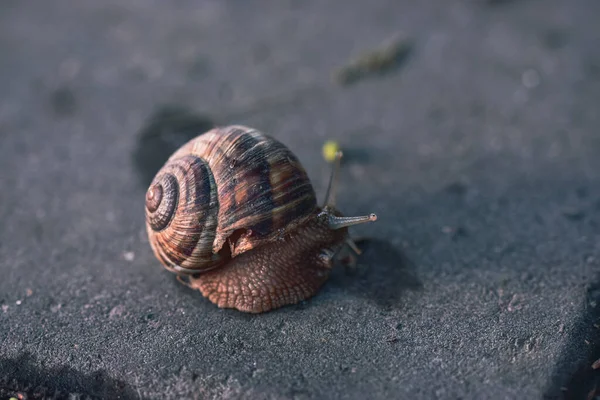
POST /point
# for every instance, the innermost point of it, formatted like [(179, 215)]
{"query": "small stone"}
[(129, 256), (515, 304), (18, 302), (391, 339), (117, 311)]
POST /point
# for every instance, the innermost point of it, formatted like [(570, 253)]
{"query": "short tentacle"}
[(329, 211)]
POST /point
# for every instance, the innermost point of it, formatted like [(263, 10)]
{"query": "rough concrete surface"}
[(480, 155)]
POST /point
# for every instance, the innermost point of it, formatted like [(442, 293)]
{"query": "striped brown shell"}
[(223, 193)]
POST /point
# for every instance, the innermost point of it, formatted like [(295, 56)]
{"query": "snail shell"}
[(228, 180)]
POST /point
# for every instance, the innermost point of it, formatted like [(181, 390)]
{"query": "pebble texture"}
[(479, 154)]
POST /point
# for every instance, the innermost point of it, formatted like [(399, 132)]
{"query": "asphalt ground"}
[(478, 151)]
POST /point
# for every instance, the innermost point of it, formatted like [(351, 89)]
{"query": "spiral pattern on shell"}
[(223, 193), (182, 209)]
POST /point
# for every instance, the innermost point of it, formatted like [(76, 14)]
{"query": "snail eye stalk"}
[(330, 198)]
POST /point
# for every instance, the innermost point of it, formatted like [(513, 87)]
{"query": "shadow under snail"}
[(235, 213)]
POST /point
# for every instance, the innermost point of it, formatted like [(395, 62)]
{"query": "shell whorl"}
[(181, 214), (223, 193)]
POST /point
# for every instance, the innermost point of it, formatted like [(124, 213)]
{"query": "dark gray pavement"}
[(480, 155)]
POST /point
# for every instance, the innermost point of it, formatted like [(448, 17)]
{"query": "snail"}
[(234, 215)]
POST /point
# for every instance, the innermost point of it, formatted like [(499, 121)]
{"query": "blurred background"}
[(470, 127)]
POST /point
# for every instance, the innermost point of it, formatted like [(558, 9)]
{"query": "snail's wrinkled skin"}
[(277, 274)]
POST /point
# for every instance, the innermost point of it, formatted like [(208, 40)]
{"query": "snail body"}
[(235, 213)]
